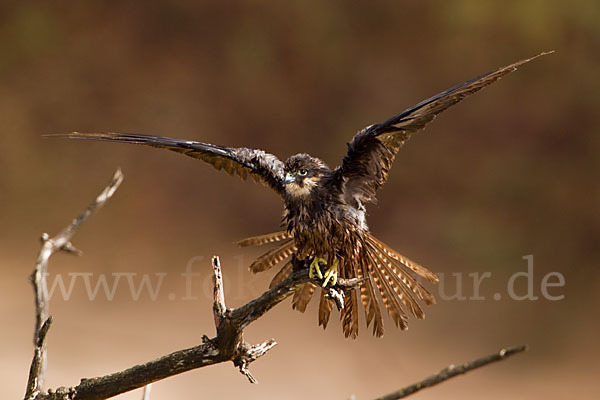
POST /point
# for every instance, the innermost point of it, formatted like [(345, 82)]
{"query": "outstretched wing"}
[(371, 152), (242, 161)]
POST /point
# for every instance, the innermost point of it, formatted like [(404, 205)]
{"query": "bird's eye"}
[(302, 172)]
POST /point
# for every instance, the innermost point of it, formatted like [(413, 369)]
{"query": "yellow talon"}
[(332, 274), (314, 267)]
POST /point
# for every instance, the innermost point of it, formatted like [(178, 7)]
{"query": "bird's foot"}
[(315, 270), (331, 273)]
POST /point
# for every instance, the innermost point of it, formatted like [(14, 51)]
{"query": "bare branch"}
[(251, 354), (37, 364), (219, 307), (228, 345), (248, 313), (60, 242), (452, 371)]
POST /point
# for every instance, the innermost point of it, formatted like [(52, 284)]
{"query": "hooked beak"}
[(289, 178)]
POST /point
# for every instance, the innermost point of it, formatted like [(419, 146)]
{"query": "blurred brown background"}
[(510, 172)]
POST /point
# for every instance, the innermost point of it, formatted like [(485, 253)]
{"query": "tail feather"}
[(325, 306), (264, 239), (399, 287), (381, 267), (283, 273), (405, 280), (302, 297), (369, 301), (415, 267), (273, 257), (401, 277), (387, 294), (349, 314)]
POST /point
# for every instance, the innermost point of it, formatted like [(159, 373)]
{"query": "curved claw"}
[(332, 274), (314, 270)]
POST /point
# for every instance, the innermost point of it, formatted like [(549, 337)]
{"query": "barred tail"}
[(399, 289), (273, 257), (405, 261), (264, 239)]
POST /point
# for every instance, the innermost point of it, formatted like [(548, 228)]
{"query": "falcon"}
[(324, 223)]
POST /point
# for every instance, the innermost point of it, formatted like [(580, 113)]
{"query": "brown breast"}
[(323, 235)]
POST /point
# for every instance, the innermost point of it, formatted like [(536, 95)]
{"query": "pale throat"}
[(308, 184)]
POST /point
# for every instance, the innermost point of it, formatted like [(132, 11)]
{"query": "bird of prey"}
[(324, 211)]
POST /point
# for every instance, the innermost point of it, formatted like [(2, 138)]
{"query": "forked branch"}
[(227, 345), (60, 242)]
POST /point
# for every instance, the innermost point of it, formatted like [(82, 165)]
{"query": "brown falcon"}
[(324, 216)]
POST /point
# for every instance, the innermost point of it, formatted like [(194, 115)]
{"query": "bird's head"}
[(302, 174)]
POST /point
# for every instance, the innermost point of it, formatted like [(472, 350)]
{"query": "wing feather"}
[(372, 151), (242, 161)]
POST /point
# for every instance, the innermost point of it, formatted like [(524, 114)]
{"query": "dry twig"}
[(60, 242), (452, 371)]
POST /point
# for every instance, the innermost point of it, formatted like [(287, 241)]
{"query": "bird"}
[(324, 228)]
